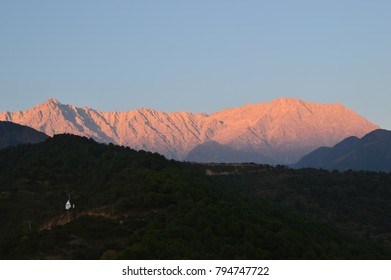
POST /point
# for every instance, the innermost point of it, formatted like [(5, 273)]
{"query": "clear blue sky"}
[(198, 56)]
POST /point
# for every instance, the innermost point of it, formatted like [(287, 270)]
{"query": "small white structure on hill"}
[(68, 205)]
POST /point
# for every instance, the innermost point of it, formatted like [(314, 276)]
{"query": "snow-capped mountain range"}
[(281, 131)]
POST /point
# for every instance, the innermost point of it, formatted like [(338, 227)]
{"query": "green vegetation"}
[(138, 205)]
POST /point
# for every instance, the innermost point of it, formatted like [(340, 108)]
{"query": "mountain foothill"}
[(12, 134)]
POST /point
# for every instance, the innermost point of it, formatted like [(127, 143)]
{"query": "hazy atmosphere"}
[(198, 56)]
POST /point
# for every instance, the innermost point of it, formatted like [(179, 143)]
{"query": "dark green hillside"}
[(355, 202), (138, 205)]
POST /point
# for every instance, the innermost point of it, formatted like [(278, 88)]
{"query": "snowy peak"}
[(282, 130), (52, 101), (286, 127), (287, 102)]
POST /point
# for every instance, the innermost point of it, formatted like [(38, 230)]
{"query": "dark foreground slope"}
[(138, 205), (12, 134)]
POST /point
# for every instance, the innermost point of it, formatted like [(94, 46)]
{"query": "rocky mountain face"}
[(12, 134), (372, 153), (281, 131)]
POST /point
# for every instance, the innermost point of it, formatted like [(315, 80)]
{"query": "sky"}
[(197, 56)]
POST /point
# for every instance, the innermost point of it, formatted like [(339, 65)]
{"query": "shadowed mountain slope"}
[(372, 152), (214, 152), (12, 134)]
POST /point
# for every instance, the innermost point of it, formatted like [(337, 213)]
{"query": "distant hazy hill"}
[(12, 134), (283, 130), (372, 152)]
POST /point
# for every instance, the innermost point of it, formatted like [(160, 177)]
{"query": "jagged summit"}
[(52, 101), (282, 130)]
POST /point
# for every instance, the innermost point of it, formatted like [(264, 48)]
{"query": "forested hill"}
[(12, 134), (138, 205)]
